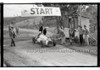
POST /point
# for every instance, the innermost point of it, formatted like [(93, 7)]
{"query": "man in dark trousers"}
[(71, 35), (12, 34), (81, 35), (13, 37)]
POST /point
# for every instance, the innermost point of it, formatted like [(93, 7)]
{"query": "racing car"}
[(43, 40)]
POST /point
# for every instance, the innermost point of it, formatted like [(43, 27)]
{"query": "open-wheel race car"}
[(43, 40)]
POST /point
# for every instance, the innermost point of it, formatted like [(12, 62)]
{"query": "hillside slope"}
[(8, 20)]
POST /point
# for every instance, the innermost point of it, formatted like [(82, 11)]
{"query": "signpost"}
[(41, 11)]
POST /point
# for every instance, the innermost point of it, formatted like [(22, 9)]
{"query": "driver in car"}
[(42, 37)]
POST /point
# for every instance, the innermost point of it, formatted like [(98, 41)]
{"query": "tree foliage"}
[(86, 10)]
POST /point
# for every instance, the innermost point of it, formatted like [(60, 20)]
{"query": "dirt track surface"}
[(27, 54)]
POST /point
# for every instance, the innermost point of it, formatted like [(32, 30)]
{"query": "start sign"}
[(42, 11)]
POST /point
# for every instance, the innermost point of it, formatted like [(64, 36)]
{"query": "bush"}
[(92, 41)]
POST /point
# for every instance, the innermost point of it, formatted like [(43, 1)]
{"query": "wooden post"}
[(80, 14)]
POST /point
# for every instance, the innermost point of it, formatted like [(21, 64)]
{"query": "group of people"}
[(13, 31), (83, 34), (82, 37)]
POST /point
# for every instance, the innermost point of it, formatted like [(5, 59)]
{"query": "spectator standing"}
[(12, 34), (86, 32), (17, 30), (77, 39), (62, 35), (71, 35), (81, 35)]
